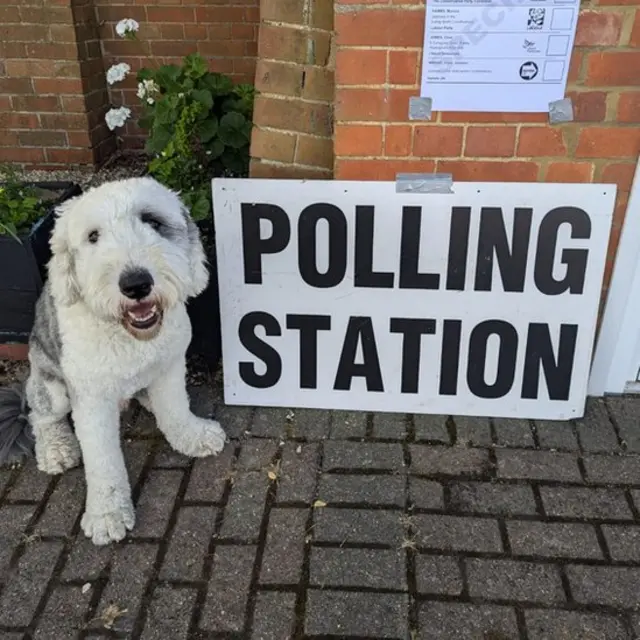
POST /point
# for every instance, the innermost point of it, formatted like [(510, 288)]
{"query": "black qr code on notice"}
[(536, 19)]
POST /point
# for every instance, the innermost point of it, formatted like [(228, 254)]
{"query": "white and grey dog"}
[(111, 325)]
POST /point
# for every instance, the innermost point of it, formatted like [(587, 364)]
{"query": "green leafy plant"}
[(199, 125), (20, 205)]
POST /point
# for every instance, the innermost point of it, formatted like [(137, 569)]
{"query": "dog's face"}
[(129, 250)]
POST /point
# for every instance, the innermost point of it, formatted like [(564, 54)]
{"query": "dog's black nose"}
[(136, 284)]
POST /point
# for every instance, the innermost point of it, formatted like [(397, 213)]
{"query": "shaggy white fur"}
[(111, 325)]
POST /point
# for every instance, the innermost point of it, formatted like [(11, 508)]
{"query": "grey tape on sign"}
[(420, 108), (561, 111), (424, 183)]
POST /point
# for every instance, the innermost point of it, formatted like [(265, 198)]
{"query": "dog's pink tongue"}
[(141, 310)]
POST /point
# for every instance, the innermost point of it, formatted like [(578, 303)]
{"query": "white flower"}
[(126, 26), (147, 89), (118, 72), (117, 117)]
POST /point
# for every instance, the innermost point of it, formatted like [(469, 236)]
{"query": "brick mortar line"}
[(287, 98), (207, 566), (296, 26), (476, 159), (300, 606), (278, 163), (270, 501), (163, 546), (271, 129)]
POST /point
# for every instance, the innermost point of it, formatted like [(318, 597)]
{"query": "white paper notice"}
[(497, 55)]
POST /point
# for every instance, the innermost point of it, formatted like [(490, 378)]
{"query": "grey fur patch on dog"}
[(16, 435)]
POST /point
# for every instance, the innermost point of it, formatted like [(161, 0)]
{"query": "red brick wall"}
[(293, 116), (50, 87), (53, 93), (223, 31), (379, 47)]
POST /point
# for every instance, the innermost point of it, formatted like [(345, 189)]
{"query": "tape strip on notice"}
[(420, 108), (561, 111), (424, 183)]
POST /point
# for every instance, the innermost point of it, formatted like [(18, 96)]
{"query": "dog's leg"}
[(186, 433), (56, 446), (109, 510)]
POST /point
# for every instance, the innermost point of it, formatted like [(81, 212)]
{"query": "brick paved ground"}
[(313, 524)]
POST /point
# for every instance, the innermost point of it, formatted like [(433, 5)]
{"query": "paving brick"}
[(611, 586), (425, 494), (235, 421), (371, 615), (623, 542), (612, 469), (553, 539), (298, 472), (26, 582), (203, 398), (86, 561), (635, 625), (64, 505), (490, 497), (431, 428), (378, 491), (473, 432), (311, 424), (358, 525), (456, 620), (457, 534), (595, 430), (31, 484), (13, 521), (635, 495), (189, 543), (626, 414), (243, 515), (438, 574), (270, 423), (513, 433), (136, 455), (64, 614), (269, 625), (256, 455), (169, 614), (131, 570), (284, 550), (167, 458), (209, 476), (514, 580), (348, 424), (362, 455), (451, 461), (545, 624), (156, 502), (228, 589), (5, 476), (390, 426), (364, 568), (556, 434), (538, 465), (578, 502)]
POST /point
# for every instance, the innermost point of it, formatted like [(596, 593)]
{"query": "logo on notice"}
[(528, 70), (528, 44)]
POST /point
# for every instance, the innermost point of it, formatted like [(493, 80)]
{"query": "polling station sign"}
[(350, 295)]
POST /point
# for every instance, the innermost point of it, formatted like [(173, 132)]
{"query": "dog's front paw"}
[(104, 528), (200, 438), (58, 454)]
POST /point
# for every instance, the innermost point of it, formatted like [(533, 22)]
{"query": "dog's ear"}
[(197, 257), (61, 268)]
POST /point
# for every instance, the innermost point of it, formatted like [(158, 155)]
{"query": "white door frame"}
[(617, 348)]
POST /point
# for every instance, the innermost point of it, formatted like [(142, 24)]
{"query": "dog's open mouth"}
[(143, 316)]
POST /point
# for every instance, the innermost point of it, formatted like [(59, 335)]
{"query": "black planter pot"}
[(23, 267), (204, 311)]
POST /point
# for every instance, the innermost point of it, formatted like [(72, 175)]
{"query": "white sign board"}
[(349, 295), (497, 55)]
